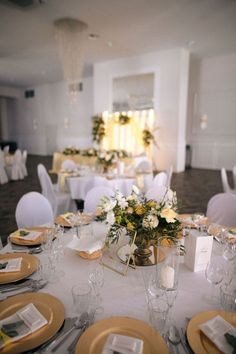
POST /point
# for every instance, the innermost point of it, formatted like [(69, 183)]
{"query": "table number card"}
[(198, 248)]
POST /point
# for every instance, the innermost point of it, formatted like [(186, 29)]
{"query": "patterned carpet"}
[(194, 188)]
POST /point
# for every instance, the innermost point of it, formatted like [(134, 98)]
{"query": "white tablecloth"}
[(125, 295)]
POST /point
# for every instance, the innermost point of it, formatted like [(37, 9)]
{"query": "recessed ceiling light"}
[(190, 43), (109, 44), (93, 36)]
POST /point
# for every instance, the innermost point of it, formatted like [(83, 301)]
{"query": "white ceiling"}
[(28, 50)]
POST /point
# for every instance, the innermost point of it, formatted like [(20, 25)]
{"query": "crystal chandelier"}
[(70, 35)]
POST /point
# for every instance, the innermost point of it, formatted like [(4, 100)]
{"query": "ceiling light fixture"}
[(93, 36), (71, 35)]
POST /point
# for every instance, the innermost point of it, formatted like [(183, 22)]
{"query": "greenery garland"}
[(148, 137), (123, 119), (98, 130)]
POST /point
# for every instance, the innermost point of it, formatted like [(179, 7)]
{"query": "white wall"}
[(170, 98), (213, 92), (39, 122)]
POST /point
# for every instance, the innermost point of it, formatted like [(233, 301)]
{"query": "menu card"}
[(122, 345), (215, 329), (19, 325), (10, 265), (24, 234)]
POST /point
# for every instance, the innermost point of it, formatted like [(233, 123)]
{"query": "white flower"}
[(135, 190), (107, 204), (110, 218), (150, 221)]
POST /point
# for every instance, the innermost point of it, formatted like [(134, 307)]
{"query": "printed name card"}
[(198, 248)]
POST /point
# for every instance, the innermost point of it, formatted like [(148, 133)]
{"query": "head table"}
[(125, 295)]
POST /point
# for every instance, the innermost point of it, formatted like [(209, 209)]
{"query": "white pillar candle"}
[(167, 277)]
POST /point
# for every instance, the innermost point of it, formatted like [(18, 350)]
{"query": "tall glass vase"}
[(168, 266)]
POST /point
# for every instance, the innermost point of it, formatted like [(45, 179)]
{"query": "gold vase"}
[(142, 254)]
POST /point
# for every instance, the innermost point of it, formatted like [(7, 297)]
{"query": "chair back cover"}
[(158, 193), (6, 149), (33, 209), (234, 176), (24, 159), (221, 209), (94, 196), (169, 173), (16, 168), (47, 186), (3, 175), (160, 179), (96, 181), (144, 165), (224, 180), (68, 165)]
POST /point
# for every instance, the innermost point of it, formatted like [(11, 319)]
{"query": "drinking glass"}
[(214, 274), (81, 294), (229, 251), (228, 297), (198, 219), (96, 279), (158, 310)]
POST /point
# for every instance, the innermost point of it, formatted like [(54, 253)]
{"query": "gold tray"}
[(87, 219), (197, 340), (93, 340), (29, 265), (50, 307), (19, 241)]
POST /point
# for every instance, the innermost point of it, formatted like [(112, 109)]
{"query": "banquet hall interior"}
[(115, 94)]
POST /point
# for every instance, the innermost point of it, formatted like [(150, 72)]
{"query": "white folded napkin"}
[(10, 265), (23, 322), (215, 329), (24, 234), (88, 245), (122, 344)]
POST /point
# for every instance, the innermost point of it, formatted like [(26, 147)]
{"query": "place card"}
[(215, 329), (25, 321), (10, 265), (24, 234), (122, 344), (198, 248)]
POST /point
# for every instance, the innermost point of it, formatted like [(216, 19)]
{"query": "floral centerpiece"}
[(106, 159), (71, 150), (146, 221)]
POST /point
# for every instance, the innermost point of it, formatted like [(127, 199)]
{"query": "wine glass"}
[(214, 274), (81, 294), (96, 279), (198, 219)]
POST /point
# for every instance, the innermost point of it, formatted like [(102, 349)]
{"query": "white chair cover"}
[(60, 202), (160, 179), (234, 176), (143, 166), (225, 182), (6, 149), (14, 171), (95, 181), (68, 165), (24, 159), (156, 193), (3, 175), (33, 209), (94, 196), (221, 209)]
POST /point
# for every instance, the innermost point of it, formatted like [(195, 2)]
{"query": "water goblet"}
[(81, 295), (198, 219), (214, 274), (96, 279)]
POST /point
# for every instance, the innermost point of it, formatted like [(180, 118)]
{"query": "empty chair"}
[(94, 196), (158, 193), (234, 176), (143, 166), (42, 169), (225, 182), (61, 202), (23, 165), (33, 209), (221, 209), (160, 179), (68, 165), (3, 174), (95, 181), (147, 181), (15, 171)]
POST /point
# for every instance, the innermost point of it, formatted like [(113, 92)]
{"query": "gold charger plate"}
[(93, 340), (87, 219), (197, 340), (50, 307), (29, 265), (19, 241)]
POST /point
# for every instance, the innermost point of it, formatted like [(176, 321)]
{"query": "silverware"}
[(35, 287), (79, 323), (174, 337), (33, 284), (87, 323), (184, 342), (50, 343)]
